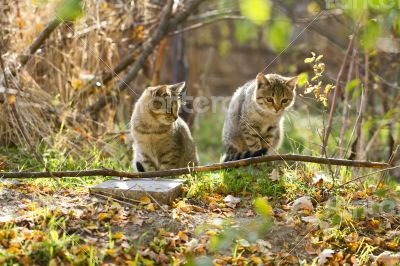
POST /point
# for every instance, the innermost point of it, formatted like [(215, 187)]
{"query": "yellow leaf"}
[(352, 247), (116, 205), (319, 57), (11, 99), (262, 207), (13, 250), (151, 207), (111, 252), (183, 236), (309, 60), (53, 235), (102, 216), (392, 245), (374, 224), (256, 260), (211, 233), (77, 84), (313, 7), (118, 235), (91, 226), (104, 6), (328, 89), (39, 27), (12, 233), (145, 200)]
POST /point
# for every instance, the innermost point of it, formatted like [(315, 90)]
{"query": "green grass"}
[(255, 181), (240, 182), (60, 159)]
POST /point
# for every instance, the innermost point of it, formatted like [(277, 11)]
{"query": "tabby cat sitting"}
[(254, 120), (161, 139)]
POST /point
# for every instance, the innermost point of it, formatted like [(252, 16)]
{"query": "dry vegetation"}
[(65, 105)]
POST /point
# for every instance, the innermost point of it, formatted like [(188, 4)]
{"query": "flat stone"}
[(164, 191)]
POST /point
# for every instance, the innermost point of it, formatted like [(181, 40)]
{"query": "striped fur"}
[(161, 139), (254, 121), (244, 155)]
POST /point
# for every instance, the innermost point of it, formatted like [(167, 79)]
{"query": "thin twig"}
[(364, 108), (335, 98), (198, 169), (206, 23), (113, 198), (345, 106), (369, 174)]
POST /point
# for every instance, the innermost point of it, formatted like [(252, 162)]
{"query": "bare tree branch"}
[(50, 27), (165, 26), (335, 97)]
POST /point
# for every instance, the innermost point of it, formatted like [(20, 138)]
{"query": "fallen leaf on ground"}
[(145, 200), (303, 203), (388, 259), (118, 235), (231, 201), (325, 255), (310, 219)]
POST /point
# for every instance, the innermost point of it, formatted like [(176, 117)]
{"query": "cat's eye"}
[(284, 100), (269, 99), (156, 104)]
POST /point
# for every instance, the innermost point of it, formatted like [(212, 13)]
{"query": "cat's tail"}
[(243, 155), (140, 167)]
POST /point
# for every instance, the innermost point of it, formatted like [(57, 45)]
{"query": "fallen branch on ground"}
[(198, 169)]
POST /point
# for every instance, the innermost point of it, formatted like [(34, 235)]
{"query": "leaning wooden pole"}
[(199, 169)]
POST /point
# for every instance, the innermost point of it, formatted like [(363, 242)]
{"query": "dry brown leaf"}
[(325, 255), (388, 259), (303, 203)]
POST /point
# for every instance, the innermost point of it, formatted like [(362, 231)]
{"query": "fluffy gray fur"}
[(254, 120), (161, 139)]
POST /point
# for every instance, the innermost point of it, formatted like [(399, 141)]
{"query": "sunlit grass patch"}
[(254, 181), (58, 159)]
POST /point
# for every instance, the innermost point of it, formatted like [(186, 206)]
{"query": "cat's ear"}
[(261, 80), (178, 88), (157, 91), (291, 82)]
